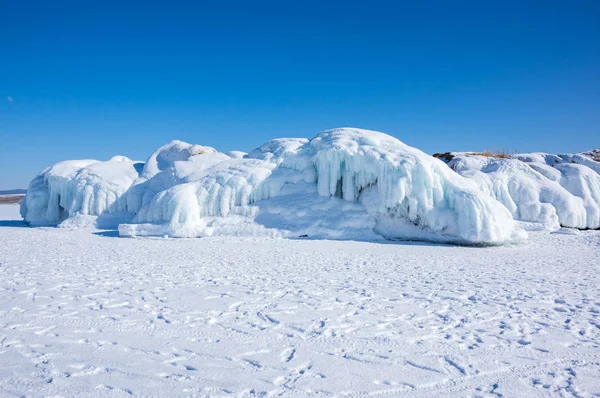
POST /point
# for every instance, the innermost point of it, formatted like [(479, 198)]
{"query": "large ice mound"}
[(72, 190), (549, 190), (345, 183)]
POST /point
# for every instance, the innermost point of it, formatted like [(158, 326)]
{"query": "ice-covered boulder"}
[(395, 190), (550, 190), (578, 173), (343, 184), (166, 156), (174, 163), (75, 189)]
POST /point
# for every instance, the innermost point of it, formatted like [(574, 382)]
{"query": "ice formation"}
[(174, 163), (549, 190), (344, 184), (72, 190)]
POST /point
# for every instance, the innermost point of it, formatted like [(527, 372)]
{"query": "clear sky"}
[(92, 79)]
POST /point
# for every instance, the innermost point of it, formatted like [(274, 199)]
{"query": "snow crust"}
[(345, 183), (83, 314), (550, 190)]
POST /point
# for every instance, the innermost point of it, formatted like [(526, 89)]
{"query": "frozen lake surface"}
[(85, 313)]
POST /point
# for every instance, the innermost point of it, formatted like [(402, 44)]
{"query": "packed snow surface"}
[(84, 313), (550, 190), (343, 184)]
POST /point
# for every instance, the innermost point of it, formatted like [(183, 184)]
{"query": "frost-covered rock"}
[(395, 190), (343, 184), (174, 163), (166, 156), (75, 189), (551, 190)]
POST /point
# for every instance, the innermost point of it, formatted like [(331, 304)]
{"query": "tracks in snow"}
[(270, 317)]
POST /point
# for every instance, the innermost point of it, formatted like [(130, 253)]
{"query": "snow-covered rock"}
[(287, 186), (551, 190), (174, 163), (344, 184), (75, 189), (166, 156)]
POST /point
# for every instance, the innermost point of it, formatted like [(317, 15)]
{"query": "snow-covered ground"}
[(85, 313)]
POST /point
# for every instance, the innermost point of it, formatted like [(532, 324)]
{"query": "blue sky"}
[(96, 79)]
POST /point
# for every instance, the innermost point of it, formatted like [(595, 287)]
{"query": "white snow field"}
[(345, 183), (84, 313)]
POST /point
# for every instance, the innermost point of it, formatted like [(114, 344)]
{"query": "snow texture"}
[(551, 190), (345, 183), (85, 314)]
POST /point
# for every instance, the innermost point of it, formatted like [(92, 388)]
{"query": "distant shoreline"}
[(9, 199)]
